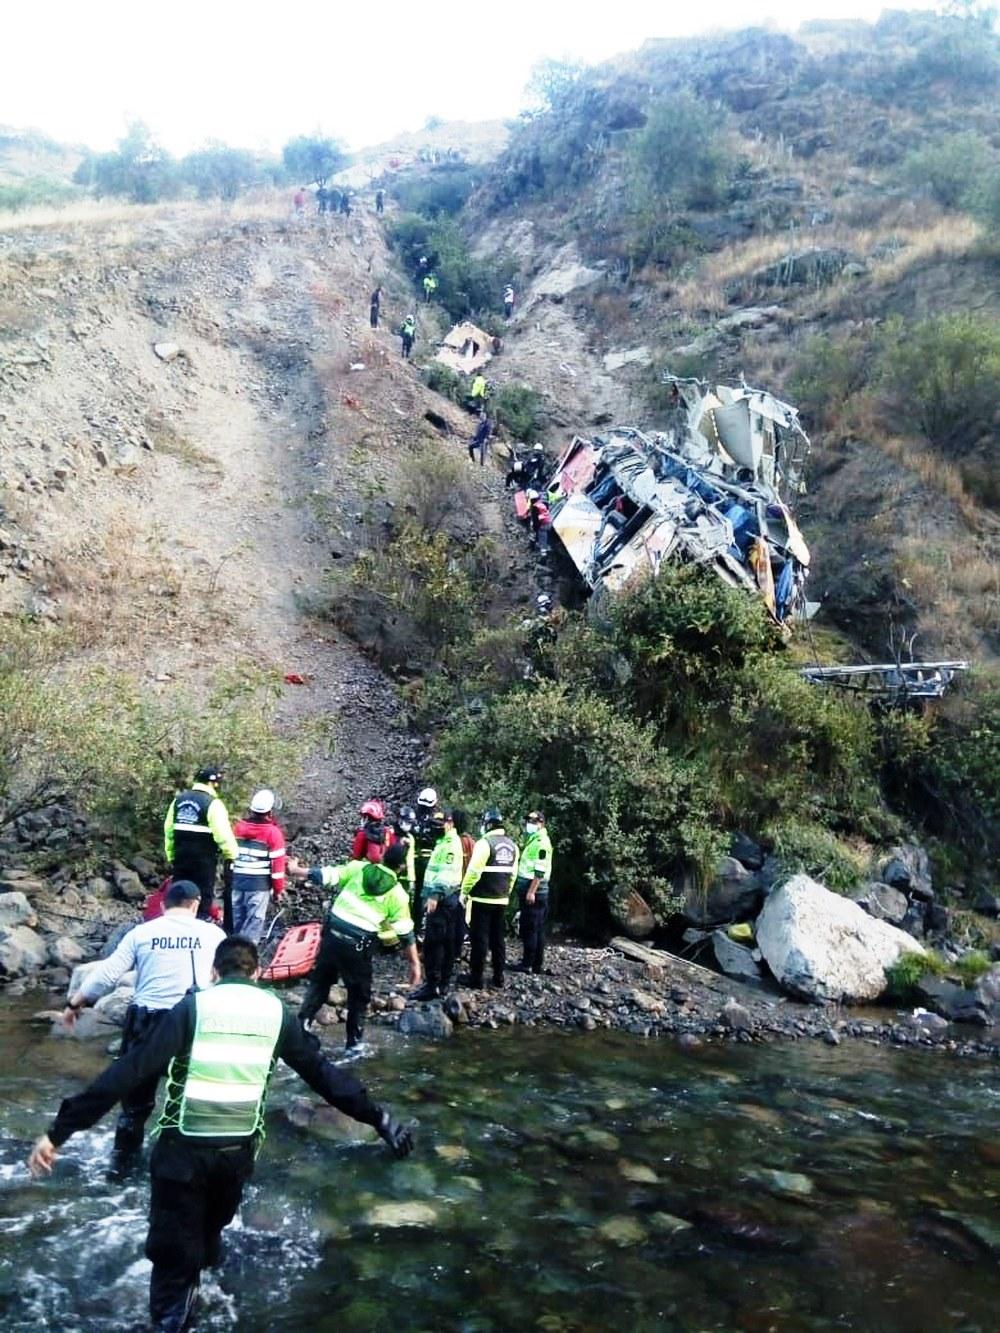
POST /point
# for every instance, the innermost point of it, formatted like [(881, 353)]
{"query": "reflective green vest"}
[(536, 859), (218, 1089), (367, 913), (444, 869)]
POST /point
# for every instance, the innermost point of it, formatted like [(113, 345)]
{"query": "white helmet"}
[(532, 495), (262, 801), (537, 448), (428, 797), (544, 601)]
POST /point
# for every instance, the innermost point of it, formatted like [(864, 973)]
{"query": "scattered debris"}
[(896, 681), (466, 349)]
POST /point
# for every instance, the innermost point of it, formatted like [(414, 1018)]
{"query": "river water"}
[(566, 1183)]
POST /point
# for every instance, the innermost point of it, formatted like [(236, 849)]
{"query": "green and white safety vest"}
[(444, 869), (367, 913), (218, 1089), (536, 859)]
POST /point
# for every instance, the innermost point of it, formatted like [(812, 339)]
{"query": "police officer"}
[(534, 872), (369, 901), (487, 884), (221, 1045), (403, 833), (170, 956), (442, 881), (196, 830)]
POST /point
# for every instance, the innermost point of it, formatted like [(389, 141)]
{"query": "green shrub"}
[(943, 375), (829, 371), (120, 752), (971, 966), (445, 381), (810, 849), (465, 283), (35, 192), (445, 190), (910, 968), (954, 168), (682, 154), (313, 157), (139, 169), (519, 409), (623, 812)]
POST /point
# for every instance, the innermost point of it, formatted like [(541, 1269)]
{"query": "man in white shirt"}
[(170, 955)]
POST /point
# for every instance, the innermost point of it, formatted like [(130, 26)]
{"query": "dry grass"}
[(936, 473), (88, 213), (916, 242)]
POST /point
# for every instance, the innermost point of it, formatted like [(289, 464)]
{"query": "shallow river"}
[(564, 1183)]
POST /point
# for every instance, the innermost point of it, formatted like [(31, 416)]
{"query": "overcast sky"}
[(255, 74)]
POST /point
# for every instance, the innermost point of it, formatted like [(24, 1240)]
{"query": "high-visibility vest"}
[(497, 875), (365, 913), (219, 1088), (444, 869), (536, 859)]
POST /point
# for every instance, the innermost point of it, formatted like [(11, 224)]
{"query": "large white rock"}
[(21, 951), (15, 910), (825, 947)]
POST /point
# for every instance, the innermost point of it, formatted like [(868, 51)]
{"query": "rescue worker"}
[(424, 837), (487, 884), (170, 955), (402, 833), (430, 286), (259, 868), (369, 899), (537, 466), (508, 300), (534, 872), (379, 201), (481, 439), (345, 203), (375, 306), (478, 392), (540, 521), (299, 201), (322, 199), (196, 830), (408, 332), (440, 896), (221, 1046), (516, 478), (374, 835)]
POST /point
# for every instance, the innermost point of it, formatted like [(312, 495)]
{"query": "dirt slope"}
[(173, 513)]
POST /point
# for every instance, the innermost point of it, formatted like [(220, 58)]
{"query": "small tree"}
[(953, 168), (312, 157), (219, 171), (140, 169), (681, 154)]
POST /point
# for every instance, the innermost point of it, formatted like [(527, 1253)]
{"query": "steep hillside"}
[(172, 514), (798, 243)]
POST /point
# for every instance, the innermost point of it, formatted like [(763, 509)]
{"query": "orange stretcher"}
[(295, 954), (521, 504)]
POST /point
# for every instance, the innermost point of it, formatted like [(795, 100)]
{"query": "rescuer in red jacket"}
[(259, 868), (374, 835)]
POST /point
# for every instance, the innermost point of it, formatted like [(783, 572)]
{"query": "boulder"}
[(735, 894), (824, 947), (882, 901), (21, 952), (955, 1002), (428, 1020), (908, 868), (735, 1017), (15, 910), (127, 882), (736, 960), (112, 1007), (746, 851), (65, 952), (988, 904), (633, 914), (167, 351)]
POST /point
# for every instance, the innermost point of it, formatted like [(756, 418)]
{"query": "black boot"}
[(428, 991), (179, 1315)]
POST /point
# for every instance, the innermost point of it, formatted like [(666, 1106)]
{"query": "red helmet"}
[(373, 809)]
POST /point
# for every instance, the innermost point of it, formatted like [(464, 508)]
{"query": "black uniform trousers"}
[(195, 1192), (201, 871), (137, 1105), (343, 958), (487, 931), (440, 934), (533, 918)]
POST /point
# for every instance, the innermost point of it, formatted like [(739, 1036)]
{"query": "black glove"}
[(398, 1137)]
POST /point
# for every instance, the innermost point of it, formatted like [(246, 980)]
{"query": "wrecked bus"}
[(713, 488)]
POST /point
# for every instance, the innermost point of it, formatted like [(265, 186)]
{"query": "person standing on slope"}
[(195, 830), (259, 868)]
